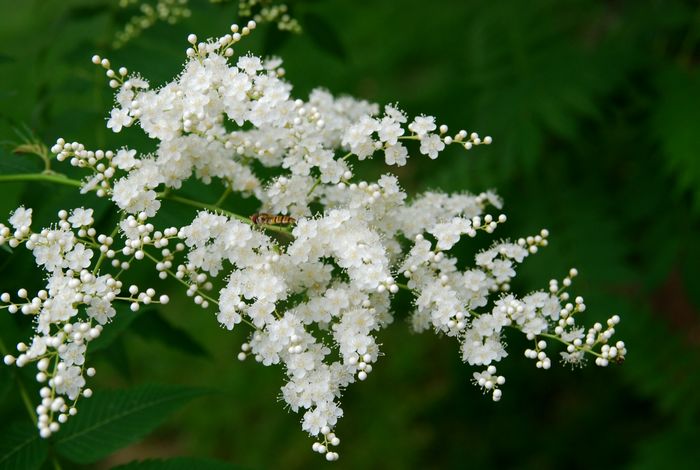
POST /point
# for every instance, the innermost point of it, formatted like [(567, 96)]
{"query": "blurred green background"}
[(594, 108)]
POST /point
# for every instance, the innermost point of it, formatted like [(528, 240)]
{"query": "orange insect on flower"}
[(272, 219)]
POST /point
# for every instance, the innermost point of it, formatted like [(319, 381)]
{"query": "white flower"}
[(125, 159), (395, 113), (448, 233), (119, 118), (101, 310), (390, 130), (502, 270), (21, 217), (79, 257), (431, 145), (228, 318), (250, 64), (74, 354), (70, 382), (396, 155), (81, 217), (316, 291), (421, 125)]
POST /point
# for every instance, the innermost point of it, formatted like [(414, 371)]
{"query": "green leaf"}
[(153, 326), (179, 463), (323, 35), (16, 164), (6, 382), (677, 444), (119, 324), (21, 448), (676, 127), (118, 358), (113, 419)]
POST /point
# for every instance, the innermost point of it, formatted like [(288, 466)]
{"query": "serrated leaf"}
[(153, 326), (179, 463), (21, 448), (13, 164), (323, 35), (113, 419), (676, 127)]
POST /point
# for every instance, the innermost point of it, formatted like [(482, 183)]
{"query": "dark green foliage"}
[(676, 125), (119, 324), (149, 324), (594, 108), (21, 448), (154, 326), (113, 419), (182, 463), (323, 35)]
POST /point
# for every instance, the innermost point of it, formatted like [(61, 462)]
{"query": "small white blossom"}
[(422, 125), (431, 145), (81, 217), (119, 118), (21, 217)]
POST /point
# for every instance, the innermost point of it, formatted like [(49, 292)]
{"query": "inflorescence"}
[(314, 294)]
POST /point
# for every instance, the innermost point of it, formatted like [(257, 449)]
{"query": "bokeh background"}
[(594, 108)]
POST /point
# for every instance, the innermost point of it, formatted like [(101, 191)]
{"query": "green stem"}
[(103, 255), (71, 182), (213, 208), (49, 178), (546, 335), (205, 296), (579, 348), (223, 197), (318, 181), (203, 205), (54, 462)]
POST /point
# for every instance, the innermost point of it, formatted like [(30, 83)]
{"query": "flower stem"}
[(318, 181), (54, 462), (198, 291), (546, 335), (223, 197), (49, 178), (214, 208)]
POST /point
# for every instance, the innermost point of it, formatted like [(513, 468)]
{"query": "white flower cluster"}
[(314, 286), (71, 311)]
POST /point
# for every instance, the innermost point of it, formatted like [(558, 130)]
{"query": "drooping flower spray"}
[(313, 288)]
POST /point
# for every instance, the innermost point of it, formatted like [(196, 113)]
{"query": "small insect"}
[(272, 219)]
